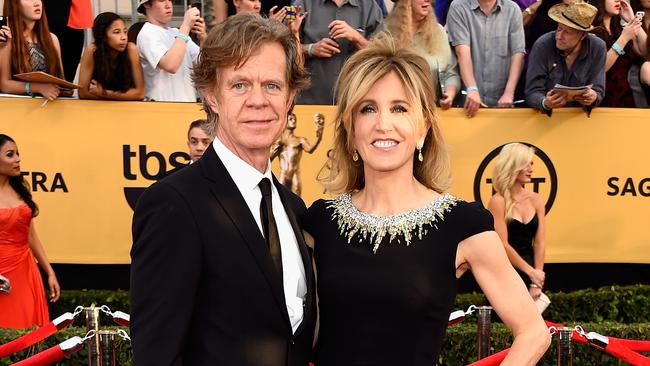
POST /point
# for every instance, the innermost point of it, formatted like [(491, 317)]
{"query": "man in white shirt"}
[(167, 54), (220, 271)]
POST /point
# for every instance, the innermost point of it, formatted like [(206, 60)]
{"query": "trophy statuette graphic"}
[(289, 148)]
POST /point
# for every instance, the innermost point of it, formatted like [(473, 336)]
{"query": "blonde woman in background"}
[(413, 22), (519, 214)]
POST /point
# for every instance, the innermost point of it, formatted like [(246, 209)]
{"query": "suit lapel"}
[(304, 254), (233, 204)]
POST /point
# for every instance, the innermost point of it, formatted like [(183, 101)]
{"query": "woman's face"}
[(420, 9), (116, 35), (385, 128), (612, 7), (248, 6), (31, 9), (525, 174), (9, 160)]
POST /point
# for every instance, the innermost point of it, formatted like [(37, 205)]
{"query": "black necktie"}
[(268, 224)]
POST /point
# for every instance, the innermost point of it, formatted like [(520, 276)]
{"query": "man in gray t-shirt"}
[(332, 31), (488, 37)]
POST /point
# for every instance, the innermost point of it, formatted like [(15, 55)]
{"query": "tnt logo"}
[(543, 182)]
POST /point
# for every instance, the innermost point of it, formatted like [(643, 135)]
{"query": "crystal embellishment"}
[(374, 228)]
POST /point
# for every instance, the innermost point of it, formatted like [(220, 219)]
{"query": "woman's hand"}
[(535, 292), (537, 276), (96, 88), (294, 25), (279, 15), (48, 91), (627, 13), (55, 289), (5, 36)]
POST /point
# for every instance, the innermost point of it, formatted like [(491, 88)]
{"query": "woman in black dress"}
[(390, 248), (519, 214)]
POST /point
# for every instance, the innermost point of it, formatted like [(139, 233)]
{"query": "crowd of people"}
[(482, 53)]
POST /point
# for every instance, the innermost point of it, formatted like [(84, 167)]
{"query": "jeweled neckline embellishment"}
[(374, 228)]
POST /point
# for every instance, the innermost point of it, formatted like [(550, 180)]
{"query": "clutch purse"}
[(542, 302)]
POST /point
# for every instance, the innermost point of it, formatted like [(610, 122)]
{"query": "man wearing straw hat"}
[(569, 56)]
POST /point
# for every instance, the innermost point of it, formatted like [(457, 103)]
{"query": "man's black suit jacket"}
[(204, 290)]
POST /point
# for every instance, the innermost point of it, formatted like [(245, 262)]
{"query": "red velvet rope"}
[(625, 354), (634, 345), (492, 360), (47, 357), (28, 339)]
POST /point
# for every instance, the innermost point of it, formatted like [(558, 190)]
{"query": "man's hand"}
[(199, 29), (325, 48), (506, 100), (448, 97), (339, 29), (587, 98), (191, 16), (472, 103), (555, 99)]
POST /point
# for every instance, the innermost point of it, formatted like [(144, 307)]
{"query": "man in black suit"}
[(220, 272)]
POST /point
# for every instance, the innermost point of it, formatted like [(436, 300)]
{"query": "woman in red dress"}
[(25, 305)]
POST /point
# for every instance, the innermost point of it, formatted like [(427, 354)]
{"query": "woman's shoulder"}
[(317, 214), (469, 218)]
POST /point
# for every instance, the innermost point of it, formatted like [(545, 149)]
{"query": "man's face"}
[(197, 142), (252, 102), (567, 38), (159, 12)]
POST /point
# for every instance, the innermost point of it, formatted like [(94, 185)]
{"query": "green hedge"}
[(622, 304), (459, 347)]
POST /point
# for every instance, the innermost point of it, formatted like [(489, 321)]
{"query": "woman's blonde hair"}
[(383, 56), (399, 23), (511, 160)]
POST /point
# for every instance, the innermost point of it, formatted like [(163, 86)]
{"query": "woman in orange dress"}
[(25, 305)]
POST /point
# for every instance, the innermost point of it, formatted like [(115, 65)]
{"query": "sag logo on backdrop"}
[(150, 165), (544, 180)]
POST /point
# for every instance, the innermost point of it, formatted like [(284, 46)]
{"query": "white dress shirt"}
[(247, 179)]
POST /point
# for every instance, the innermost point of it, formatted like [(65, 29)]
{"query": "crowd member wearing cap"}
[(167, 54), (413, 22), (569, 56), (625, 39), (488, 37)]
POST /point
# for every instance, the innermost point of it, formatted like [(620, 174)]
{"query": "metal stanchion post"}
[(107, 349), (92, 323), (564, 351), (484, 330)]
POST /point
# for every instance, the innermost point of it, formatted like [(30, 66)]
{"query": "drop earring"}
[(355, 156), (420, 157)]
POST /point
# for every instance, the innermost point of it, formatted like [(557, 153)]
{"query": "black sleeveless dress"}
[(386, 302), (520, 237)]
